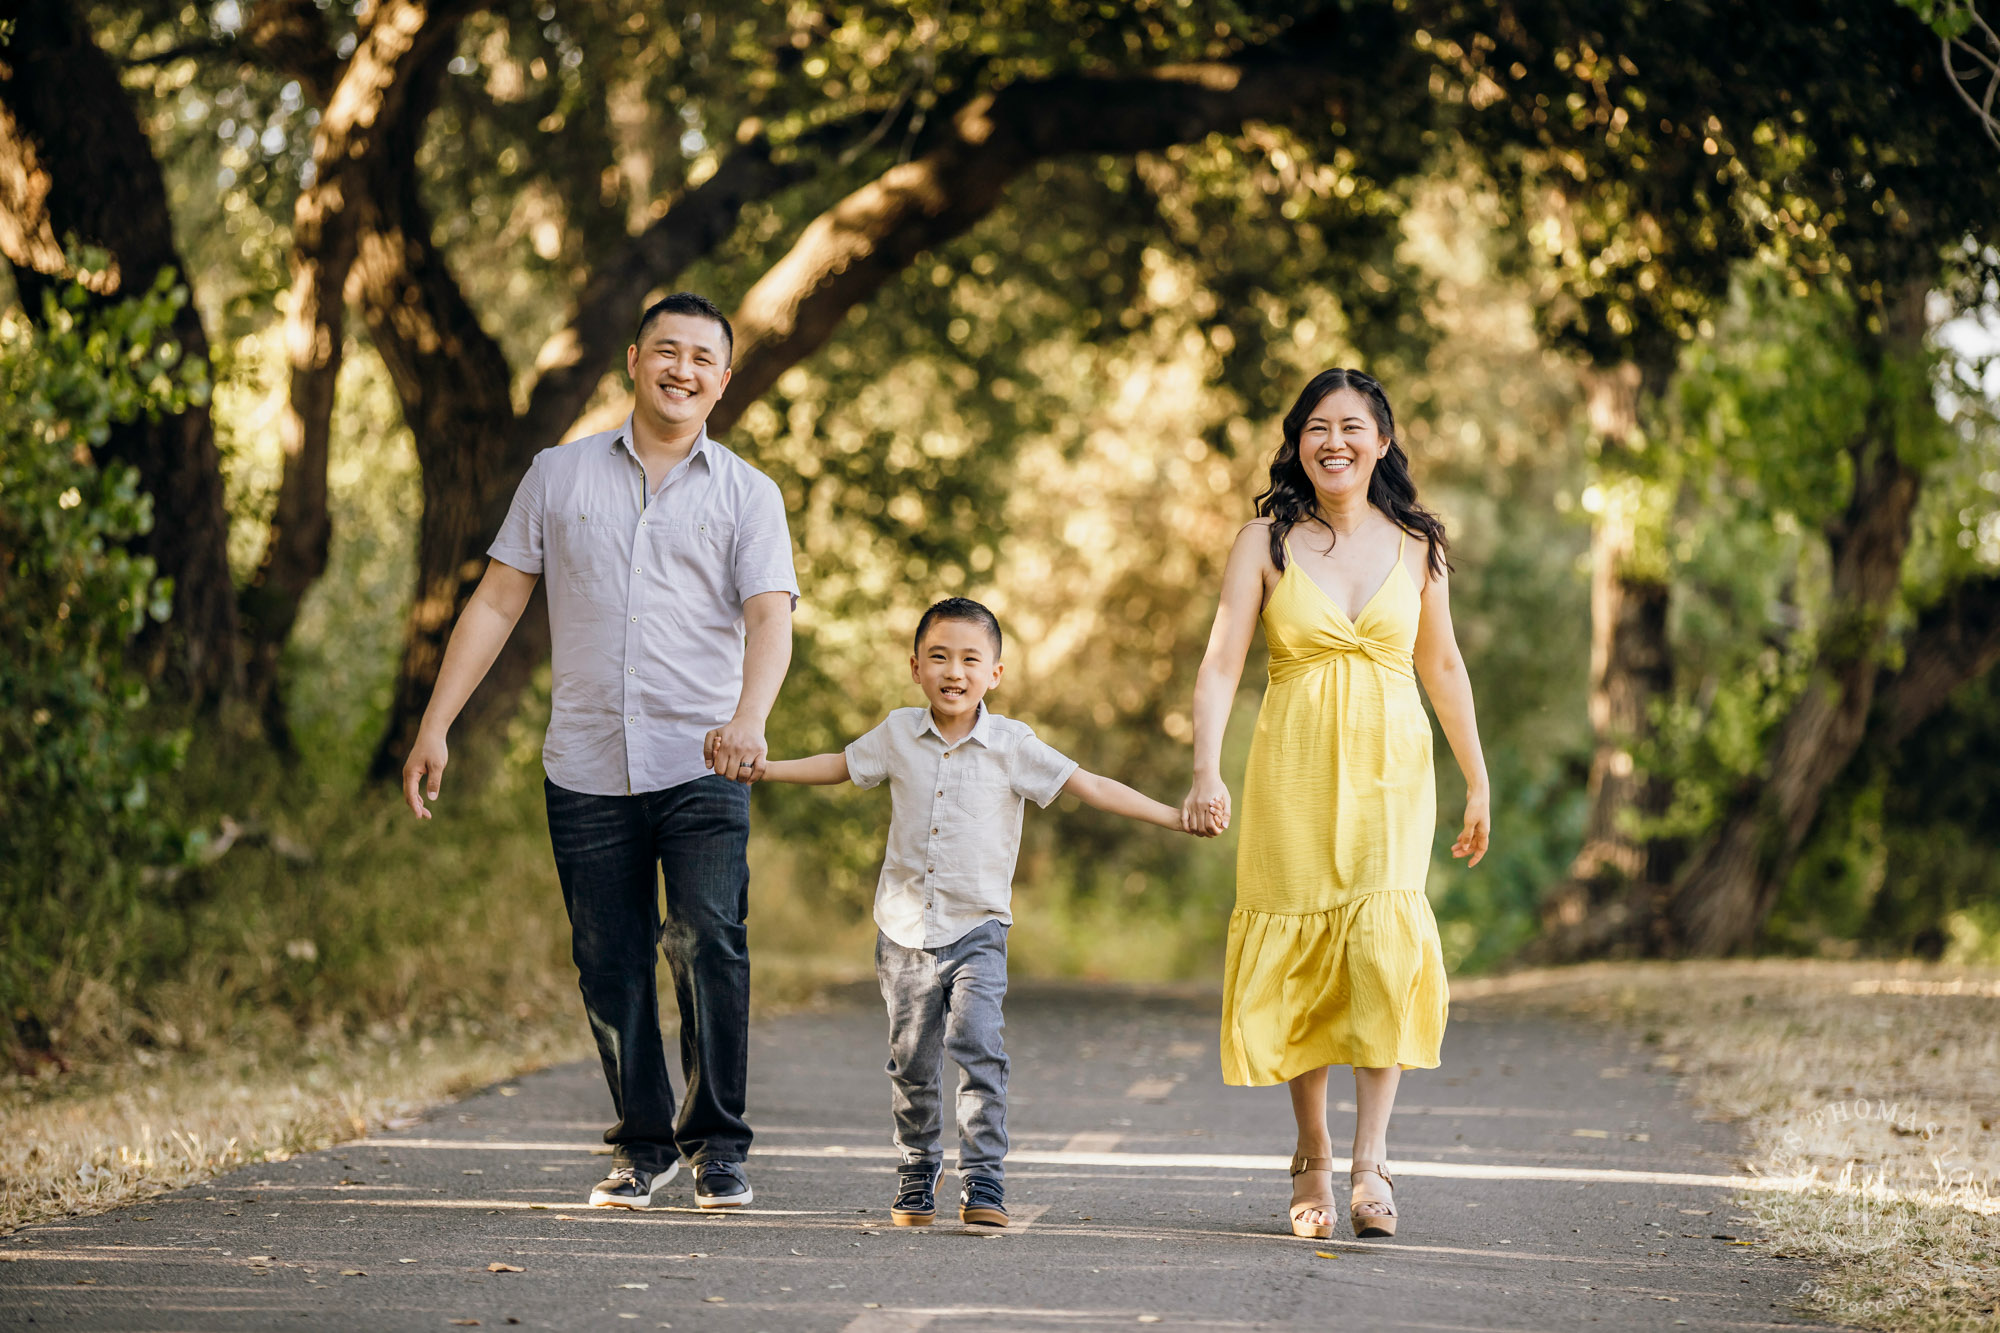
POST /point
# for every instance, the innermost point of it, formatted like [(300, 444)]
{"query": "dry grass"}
[(1875, 1086), (120, 1134)]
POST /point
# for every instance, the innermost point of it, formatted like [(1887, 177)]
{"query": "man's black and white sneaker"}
[(916, 1195), (983, 1201), (629, 1187), (721, 1185)]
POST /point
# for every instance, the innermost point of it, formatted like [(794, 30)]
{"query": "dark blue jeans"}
[(611, 852)]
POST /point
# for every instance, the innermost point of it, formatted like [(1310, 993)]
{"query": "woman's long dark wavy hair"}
[(1291, 499)]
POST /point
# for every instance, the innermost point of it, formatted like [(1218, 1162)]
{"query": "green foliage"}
[(1949, 19), (78, 759)]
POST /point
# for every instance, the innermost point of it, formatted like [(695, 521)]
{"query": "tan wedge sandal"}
[(1320, 1200), (1372, 1225)]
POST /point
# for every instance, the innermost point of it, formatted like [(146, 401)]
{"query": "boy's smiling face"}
[(956, 664)]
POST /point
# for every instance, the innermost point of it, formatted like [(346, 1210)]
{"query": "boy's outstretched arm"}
[(821, 770), (1108, 794)]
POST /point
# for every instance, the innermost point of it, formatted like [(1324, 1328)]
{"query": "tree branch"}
[(846, 254), (1955, 641)]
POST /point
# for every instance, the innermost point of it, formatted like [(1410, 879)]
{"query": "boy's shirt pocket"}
[(984, 792)]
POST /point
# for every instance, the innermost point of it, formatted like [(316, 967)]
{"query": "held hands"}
[(1205, 812), (736, 751), (422, 772), (1478, 824)]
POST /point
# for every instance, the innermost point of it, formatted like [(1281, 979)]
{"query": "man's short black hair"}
[(960, 608), (689, 303)]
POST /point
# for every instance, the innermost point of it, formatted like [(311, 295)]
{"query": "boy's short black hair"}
[(959, 608), (689, 303)]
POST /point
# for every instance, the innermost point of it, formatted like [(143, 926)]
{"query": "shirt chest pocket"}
[(591, 550), (700, 553), (981, 795)]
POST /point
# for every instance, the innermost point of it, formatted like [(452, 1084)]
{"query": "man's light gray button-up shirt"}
[(645, 601), (954, 821)]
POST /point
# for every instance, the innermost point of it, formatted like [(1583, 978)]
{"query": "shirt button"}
[(940, 793), (637, 570), (631, 671), (934, 830), (930, 870), (635, 620), (631, 719)]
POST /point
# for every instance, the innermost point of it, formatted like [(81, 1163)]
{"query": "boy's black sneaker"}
[(721, 1185), (916, 1195), (629, 1187), (983, 1201)]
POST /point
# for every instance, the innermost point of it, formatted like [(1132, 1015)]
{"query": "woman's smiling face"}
[(1340, 445)]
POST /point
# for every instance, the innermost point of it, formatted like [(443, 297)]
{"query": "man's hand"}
[(423, 770), (736, 750)]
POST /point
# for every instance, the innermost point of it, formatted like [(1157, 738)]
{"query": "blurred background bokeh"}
[(1688, 314)]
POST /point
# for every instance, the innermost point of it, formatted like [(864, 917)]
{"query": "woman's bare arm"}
[(1243, 581), (1441, 667)]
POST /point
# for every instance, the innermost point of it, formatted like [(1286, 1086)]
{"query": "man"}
[(670, 591)]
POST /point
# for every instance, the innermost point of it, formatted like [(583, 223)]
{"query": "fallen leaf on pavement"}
[(497, 1267), (712, 1300), (1327, 1254), (406, 1261), (265, 1258), (474, 1323), (876, 1305), (635, 1286), (352, 1272)]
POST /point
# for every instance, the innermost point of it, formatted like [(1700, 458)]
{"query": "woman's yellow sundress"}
[(1333, 951)]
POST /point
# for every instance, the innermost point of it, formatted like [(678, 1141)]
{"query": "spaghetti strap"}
[(1401, 544)]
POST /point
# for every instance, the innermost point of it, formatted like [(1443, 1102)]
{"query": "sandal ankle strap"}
[(1378, 1168), (1301, 1162)]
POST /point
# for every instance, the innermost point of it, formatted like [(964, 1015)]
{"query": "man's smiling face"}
[(679, 368)]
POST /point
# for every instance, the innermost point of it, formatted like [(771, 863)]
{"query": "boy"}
[(958, 775)]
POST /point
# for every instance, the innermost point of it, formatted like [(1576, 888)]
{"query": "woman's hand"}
[(1478, 824), (1205, 812)]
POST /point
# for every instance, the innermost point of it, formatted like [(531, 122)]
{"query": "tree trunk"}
[(75, 163), (1611, 884), (1734, 879), (399, 37)]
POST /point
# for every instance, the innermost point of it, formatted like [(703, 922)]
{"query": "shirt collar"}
[(622, 439), (982, 728)]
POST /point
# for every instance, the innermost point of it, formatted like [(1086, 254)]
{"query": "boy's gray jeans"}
[(946, 1001)]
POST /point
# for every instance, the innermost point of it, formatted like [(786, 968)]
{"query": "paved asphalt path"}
[(1546, 1178)]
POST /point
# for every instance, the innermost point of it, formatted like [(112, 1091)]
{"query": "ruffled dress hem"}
[(1360, 984)]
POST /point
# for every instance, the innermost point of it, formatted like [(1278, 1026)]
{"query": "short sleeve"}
[(763, 553), (1039, 770), (519, 543), (868, 757)]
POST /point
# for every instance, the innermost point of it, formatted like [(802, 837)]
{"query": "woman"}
[(1333, 952)]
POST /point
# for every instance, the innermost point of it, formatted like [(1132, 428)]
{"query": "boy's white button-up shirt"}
[(646, 598), (955, 819)]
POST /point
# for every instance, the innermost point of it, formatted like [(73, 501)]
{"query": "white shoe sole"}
[(636, 1203)]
